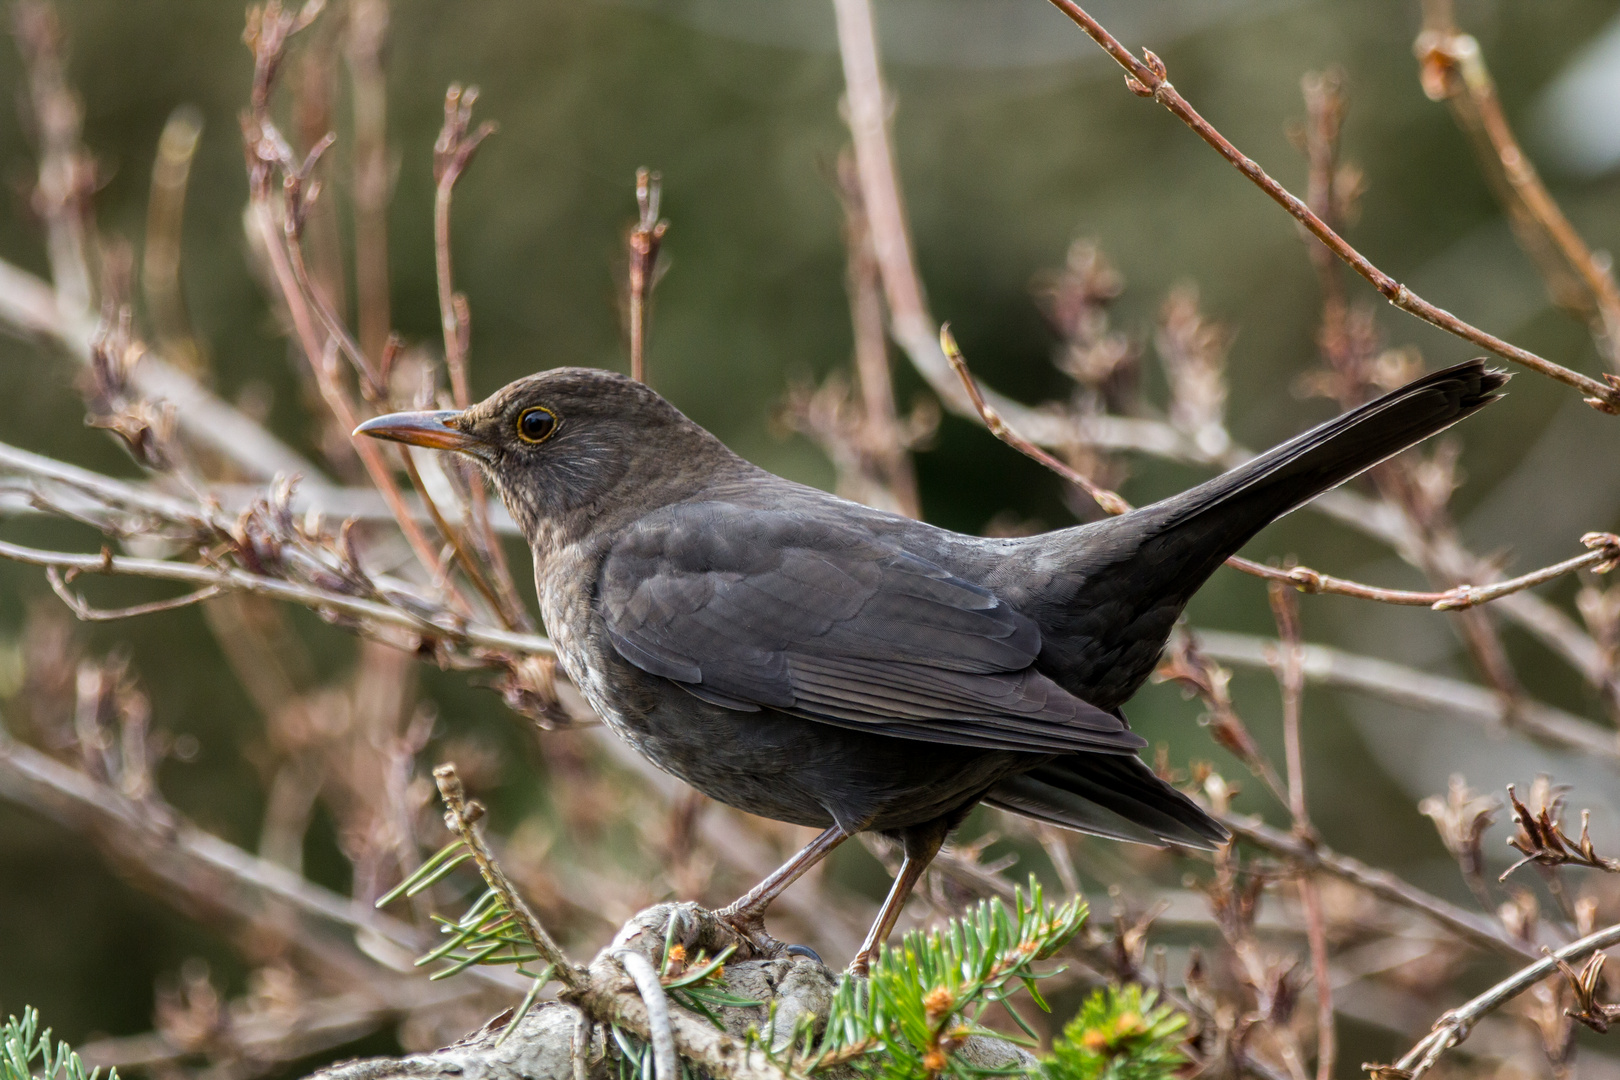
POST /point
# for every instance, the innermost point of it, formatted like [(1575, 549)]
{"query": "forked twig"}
[(1602, 556), (86, 613), (449, 627), (1148, 78), (1454, 1026), (452, 152)]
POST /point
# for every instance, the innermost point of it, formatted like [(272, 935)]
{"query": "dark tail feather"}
[(1110, 795), (1213, 520)]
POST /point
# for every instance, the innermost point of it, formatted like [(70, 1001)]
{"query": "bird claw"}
[(749, 926)]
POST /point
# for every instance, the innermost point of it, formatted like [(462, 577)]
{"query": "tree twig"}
[(452, 152), (666, 1066), (1475, 929), (1290, 668), (1110, 501), (1452, 69), (1418, 689), (448, 627), (367, 35), (86, 613), (462, 816), (646, 237), (1148, 78), (1454, 1026)]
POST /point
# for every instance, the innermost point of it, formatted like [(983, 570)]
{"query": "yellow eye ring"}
[(536, 425)]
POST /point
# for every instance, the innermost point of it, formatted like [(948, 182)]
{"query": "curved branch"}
[(1147, 78), (445, 625), (1454, 1026)]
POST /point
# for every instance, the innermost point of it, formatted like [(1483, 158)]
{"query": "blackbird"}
[(816, 661)]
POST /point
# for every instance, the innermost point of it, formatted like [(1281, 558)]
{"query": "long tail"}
[(1112, 795), (1197, 530), (1114, 588)]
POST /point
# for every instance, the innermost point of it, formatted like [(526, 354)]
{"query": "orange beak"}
[(433, 430)]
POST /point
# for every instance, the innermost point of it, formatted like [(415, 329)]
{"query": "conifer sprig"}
[(928, 995), (1119, 1034), (27, 1053)]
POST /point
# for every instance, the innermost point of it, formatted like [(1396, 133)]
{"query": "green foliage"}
[(928, 995), (1119, 1034), (489, 933), (26, 1053)]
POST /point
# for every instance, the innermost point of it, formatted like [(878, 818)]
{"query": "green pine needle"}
[(26, 1053), (1119, 1034), (925, 997)]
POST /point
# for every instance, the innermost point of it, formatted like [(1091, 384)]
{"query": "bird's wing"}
[(753, 608)]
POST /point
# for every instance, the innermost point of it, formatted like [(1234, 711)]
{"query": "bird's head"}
[(571, 449)]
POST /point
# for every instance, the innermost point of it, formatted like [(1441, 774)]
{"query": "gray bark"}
[(558, 1041)]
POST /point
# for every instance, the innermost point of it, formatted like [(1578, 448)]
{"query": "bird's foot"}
[(749, 925)]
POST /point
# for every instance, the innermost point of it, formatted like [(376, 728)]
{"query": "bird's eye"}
[(536, 425)]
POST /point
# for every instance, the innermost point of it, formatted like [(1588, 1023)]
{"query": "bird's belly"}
[(770, 763), (785, 767), (810, 773)]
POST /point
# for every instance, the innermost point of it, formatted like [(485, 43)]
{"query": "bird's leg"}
[(746, 915), (920, 843)]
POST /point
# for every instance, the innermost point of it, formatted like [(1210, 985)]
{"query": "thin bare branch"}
[(646, 237), (462, 816), (86, 613), (1110, 501), (1290, 669), (1475, 929), (1418, 689), (452, 152), (367, 38), (1605, 550), (1148, 78), (1452, 69), (443, 625), (1454, 1026), (666, 1066)]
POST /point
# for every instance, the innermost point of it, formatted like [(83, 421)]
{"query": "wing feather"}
[(750, 608)]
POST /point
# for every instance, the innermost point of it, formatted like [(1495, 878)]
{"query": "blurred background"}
[(1014, 137)]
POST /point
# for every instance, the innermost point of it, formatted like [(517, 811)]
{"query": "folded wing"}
[(752, 609)]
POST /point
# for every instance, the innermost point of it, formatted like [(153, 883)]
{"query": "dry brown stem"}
[(461, 816), (646, 237), (452, 153), (1148, 78), (367, 40), (1541, 838), (1454, 1026), (1290, 669), (1451, 67)]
